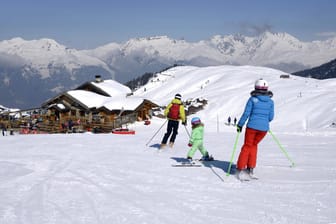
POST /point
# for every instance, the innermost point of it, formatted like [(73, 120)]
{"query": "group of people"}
[(258, 113)]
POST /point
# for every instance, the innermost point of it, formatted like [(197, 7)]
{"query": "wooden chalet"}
[(99, 106), (285, 76)]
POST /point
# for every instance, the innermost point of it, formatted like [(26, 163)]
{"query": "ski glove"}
[(239, 129), (189, 144)]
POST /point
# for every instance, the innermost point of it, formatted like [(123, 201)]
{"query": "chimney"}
[(98, 79)]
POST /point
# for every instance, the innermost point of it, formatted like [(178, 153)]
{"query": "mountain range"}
[(31, 71)]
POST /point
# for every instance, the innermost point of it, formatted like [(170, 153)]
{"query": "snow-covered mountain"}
[(227, 88), (277, 50), (44, 55), (33, 71)]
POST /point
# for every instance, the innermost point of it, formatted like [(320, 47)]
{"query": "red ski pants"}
[(248, 154)]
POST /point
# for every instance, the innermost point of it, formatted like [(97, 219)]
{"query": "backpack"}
[(174, 111)]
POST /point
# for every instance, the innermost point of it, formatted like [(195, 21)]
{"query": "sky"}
[(87, 24)]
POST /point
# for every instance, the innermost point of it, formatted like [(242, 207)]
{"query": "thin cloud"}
[(326, 34), (9, 61), (255, 30)]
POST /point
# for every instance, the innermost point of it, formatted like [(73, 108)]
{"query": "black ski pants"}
[(171, 127)]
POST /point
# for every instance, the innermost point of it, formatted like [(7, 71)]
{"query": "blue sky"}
[(86, 24)]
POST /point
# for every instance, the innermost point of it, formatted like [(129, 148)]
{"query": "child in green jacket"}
[(196, 140)]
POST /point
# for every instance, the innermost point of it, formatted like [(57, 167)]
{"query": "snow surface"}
[(301, 104), (107, 178)]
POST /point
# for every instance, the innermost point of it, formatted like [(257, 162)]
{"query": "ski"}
[(253, 177), (244, 180), (186, 164), (193, 163)]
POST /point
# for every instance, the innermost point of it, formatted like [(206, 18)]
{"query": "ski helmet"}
[(261, 84), (178, 96), (195, 120)]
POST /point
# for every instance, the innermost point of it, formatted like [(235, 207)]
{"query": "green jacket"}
[(197, 134), (182, 113)]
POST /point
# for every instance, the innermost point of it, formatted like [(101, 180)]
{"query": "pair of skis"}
[(192, 163), (187, 164)]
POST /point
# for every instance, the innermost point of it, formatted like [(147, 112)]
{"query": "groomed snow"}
[(107, 178)]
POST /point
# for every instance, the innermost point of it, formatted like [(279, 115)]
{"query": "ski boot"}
[(251, 173), (242, 175), (207, 158)]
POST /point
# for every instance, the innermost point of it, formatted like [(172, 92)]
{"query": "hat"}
[(178, 96), (261, 84), (195, 120)]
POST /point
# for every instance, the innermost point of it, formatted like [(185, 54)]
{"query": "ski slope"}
[(106, 178)]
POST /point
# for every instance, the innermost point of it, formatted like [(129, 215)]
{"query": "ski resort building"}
[(99, 105)]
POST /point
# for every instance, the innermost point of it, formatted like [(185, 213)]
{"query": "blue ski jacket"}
[(259, 111)]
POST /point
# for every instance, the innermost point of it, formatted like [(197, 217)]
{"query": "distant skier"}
[(235, 121), (4, 129), (196, 140), (259, 111), (229, 120), (174, 112)]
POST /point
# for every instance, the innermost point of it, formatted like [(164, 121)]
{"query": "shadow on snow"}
[(223, 165)]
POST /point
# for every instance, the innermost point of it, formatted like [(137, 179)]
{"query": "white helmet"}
[(261, 84)]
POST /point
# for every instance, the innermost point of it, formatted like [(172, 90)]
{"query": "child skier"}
[(196, 140)]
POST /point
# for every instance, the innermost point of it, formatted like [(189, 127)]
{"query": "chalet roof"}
[(89, 99), (107, 94), (129, 103), (93, 100), (107, 88)]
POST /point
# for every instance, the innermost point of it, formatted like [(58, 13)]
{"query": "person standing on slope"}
[(173, 112), (196, 140), (259, 111)]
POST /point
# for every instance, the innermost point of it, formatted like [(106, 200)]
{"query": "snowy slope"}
[(105, 178), (227, 89)]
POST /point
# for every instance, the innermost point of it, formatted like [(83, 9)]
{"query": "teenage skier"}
[(174, 112)]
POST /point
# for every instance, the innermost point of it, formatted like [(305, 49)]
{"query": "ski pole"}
[(156, 132), (185, 127), (283, 150), (233, 153)]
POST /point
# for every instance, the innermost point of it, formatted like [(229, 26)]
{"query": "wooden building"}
[(98, 105)]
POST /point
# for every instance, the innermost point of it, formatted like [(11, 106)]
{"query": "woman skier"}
[(259, 111)]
